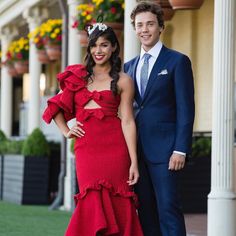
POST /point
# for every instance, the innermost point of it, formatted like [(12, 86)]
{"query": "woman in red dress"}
[(105, 147)]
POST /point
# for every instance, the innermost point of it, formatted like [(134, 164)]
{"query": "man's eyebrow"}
[(140, 22)]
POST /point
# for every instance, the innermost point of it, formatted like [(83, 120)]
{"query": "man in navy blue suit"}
[(164, 109)]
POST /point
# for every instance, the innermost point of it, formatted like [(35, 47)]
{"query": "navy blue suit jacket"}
[(165, 115)]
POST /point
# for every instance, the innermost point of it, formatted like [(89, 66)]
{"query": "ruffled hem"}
[(71, 81), (100, 208), (120, 191)]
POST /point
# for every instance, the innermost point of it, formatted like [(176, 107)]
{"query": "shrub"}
[(3, 140), (36, 144), (72, 146), (201, 146), (2, 136), (14, 146)]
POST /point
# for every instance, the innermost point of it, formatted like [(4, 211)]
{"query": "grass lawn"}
[(16, 220)]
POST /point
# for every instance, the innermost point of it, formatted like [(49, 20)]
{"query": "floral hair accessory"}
[(100, 26)]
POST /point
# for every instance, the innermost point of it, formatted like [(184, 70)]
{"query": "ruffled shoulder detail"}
[(73, 77), (71, 80)]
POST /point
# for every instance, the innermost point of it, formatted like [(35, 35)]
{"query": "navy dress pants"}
[(160, 210)]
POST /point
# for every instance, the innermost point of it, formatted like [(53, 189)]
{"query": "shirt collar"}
[(154, 51)]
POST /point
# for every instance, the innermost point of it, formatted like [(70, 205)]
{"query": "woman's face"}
[(101, 51)]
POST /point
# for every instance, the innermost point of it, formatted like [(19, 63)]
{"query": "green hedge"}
[(36, 144), (201, 146)]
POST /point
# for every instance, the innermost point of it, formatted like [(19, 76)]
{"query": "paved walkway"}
[(196, 224)]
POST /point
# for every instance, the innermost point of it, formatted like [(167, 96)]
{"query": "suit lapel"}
[(137, 94), (157, 66)]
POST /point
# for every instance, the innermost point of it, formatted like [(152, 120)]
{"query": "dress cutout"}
[(106, 204)]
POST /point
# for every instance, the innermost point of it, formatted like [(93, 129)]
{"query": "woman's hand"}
[(133, 174), (76, 131)]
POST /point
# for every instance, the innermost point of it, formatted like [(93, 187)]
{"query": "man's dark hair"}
[(146, 6)]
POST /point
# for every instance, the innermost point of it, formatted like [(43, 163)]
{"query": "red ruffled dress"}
[(106, 204)]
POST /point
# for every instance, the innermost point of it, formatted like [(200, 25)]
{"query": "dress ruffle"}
[(100, 208), (71, 81), (120, 191)]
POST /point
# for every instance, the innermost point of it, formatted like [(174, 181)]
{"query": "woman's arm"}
[(126, 87), (75, 131)]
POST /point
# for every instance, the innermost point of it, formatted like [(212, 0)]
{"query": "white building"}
[(189, 31)]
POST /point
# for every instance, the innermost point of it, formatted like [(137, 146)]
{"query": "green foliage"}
[(11, 147), (201, 147), (36, 144), (2, 136), (3, 140), (72, 145)]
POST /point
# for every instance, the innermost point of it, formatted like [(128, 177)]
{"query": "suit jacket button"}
[(141, 107)]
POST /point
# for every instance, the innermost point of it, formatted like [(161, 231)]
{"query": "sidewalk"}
[(196, 224)]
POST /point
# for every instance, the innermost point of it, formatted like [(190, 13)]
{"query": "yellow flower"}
[(36, 40), (56, 31), (88, 17), (84, 13), (123, 5), (53, 36)]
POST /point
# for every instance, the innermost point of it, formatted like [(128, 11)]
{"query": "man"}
[(164, 109)]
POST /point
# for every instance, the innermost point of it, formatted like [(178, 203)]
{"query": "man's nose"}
[(144, 28)]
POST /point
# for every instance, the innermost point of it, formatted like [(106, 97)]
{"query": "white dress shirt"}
[(154, 52)]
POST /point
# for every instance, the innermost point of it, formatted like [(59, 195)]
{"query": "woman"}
[(105, 147)]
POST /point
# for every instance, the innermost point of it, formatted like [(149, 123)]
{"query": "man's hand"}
[(176, 162)]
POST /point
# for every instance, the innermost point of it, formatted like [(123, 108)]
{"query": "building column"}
[(131, 43), (7, 35), (74, 57), (34, 17), (221, 200)]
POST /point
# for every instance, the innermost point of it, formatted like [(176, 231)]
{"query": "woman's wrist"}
[(134, 162)]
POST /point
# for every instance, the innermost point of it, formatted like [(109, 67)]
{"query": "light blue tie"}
[(144, 74)]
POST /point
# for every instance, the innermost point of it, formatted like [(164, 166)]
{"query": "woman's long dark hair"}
[(115, 60)]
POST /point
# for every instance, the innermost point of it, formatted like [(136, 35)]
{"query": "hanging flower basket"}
[(117, 27), (21, 67), (47, 39), (112, 13), (186, 4), (53, 51), (12, 70), (43, 56), (83, 38), (168, 13)]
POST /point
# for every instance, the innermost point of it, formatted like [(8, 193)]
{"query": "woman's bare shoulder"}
[(125, 81)]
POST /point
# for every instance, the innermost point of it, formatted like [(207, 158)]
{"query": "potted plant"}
[(167, 9), (0, 58), (82, 19), (9, 63), (196, 176), (25, 178), (36, 37), (19, 50), (3, 139), (112, 12), (186, 4), (51, 32)]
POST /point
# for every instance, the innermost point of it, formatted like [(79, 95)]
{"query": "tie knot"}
[(146, 57)]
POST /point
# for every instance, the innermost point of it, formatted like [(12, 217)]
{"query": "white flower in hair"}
[(100, 26)]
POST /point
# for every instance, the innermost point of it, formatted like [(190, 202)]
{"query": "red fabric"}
[(105, 204)]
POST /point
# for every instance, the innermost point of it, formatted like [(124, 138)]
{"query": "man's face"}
[(147, 29)]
